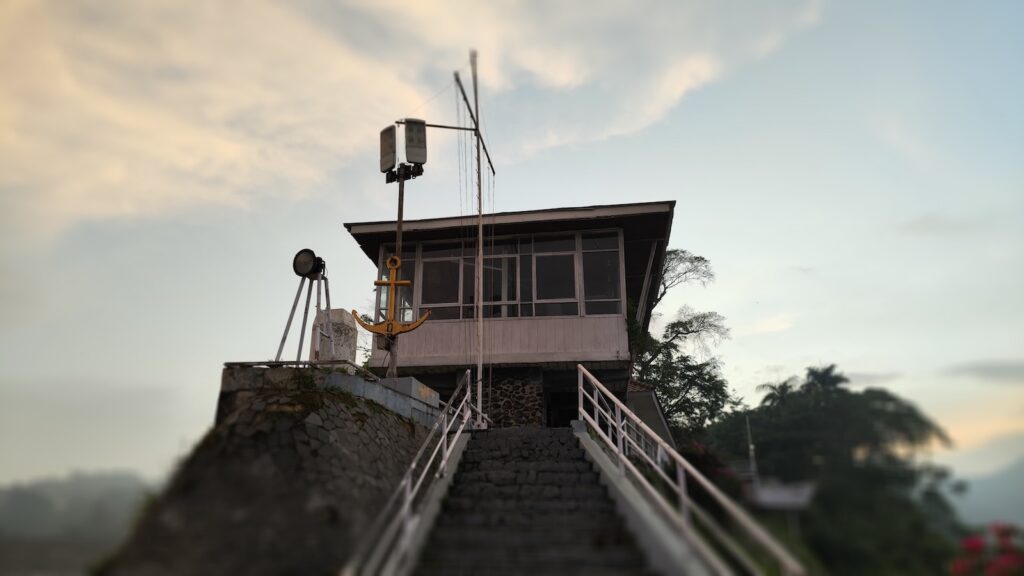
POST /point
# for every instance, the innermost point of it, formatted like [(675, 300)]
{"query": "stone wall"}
[(285, 483), (515, 400)]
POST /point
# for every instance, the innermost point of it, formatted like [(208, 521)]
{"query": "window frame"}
[(466, 244)]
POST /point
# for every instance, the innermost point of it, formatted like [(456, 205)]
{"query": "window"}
[(601, 286), (555, 276), (439, 279), (543, 275), (404, 309)]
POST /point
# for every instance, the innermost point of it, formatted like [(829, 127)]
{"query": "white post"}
[(330, 325), (618, 429), (681, 483), (579, 391)]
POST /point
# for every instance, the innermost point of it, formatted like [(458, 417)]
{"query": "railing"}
[(387, 546), (635, 445)]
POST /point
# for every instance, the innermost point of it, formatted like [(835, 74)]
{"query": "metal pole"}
[(479, 251), (305, 315), (393, 357), (291, 315), (316, 322)]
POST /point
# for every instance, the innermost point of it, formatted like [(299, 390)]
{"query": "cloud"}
[(939, 225), (872, 378), (768, 325), (999, 371), (112, 110), (115, 110)]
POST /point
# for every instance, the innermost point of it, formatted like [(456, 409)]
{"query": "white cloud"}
[(135, 109), (768, 325), (128, 110)]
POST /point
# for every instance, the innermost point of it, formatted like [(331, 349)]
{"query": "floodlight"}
[(307, 264), (388, 149), (415, 141)]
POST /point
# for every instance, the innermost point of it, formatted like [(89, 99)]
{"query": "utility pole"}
[(479, 251)]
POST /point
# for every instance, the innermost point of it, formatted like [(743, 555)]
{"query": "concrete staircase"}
[(526, 501)]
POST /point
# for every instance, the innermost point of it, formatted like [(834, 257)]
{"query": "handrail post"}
[(469, 395), (681, 483), (579, 391), (444, 442), (618, 434)]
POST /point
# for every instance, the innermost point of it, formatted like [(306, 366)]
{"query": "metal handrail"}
[(386, 547), (624, 445)]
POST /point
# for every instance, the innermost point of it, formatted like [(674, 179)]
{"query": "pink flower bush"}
[(999, 553)]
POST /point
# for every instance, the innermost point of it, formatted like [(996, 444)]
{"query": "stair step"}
[(526, 501), (528, 491), (528, 559), (521, 477), (528, 466), (455, 503), (529, 519)]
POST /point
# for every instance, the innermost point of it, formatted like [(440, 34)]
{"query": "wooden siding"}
[(513, 341)]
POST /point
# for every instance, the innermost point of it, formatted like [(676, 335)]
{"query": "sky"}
[(852, 170)]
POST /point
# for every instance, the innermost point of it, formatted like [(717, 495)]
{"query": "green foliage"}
[(692, 391), (876, 511)]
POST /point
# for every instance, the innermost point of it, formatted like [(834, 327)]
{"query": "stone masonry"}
[(515, 401), (283, 484)]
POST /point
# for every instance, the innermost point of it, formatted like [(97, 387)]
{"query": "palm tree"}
[(823, 379), (777, 394)]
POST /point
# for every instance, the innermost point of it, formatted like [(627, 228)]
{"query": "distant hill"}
[(995, 497), (60, 525)]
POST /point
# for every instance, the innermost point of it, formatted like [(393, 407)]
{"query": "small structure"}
[(560, 287)]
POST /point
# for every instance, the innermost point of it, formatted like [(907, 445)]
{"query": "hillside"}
[(60, 525), (998, 497)]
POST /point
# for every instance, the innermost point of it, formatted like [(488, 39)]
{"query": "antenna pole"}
[(479, 250), (393, 345)]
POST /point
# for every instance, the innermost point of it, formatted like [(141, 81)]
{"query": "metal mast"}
[(479, 248)]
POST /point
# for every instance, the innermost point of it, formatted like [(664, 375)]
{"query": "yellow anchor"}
[(391, 327)]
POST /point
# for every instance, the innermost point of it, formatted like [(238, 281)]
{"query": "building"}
[(561, 287)]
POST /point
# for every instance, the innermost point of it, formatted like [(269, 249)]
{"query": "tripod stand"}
[(318, 276)]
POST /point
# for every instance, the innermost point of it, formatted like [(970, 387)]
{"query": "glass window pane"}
[(556, 277), (526, 245), (408, 252), (525, 278), (600, 275), (440, 281), (507, 246), (406, 272), (526, 309), (468, 280), (499, 279), (554, 244), (443, 312), (444, 250), (603, 307), (557, 309), (501, 311), (601, 241)]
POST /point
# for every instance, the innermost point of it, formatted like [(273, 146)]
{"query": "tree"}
[(877, 509), (692, 392), (777, 394)]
